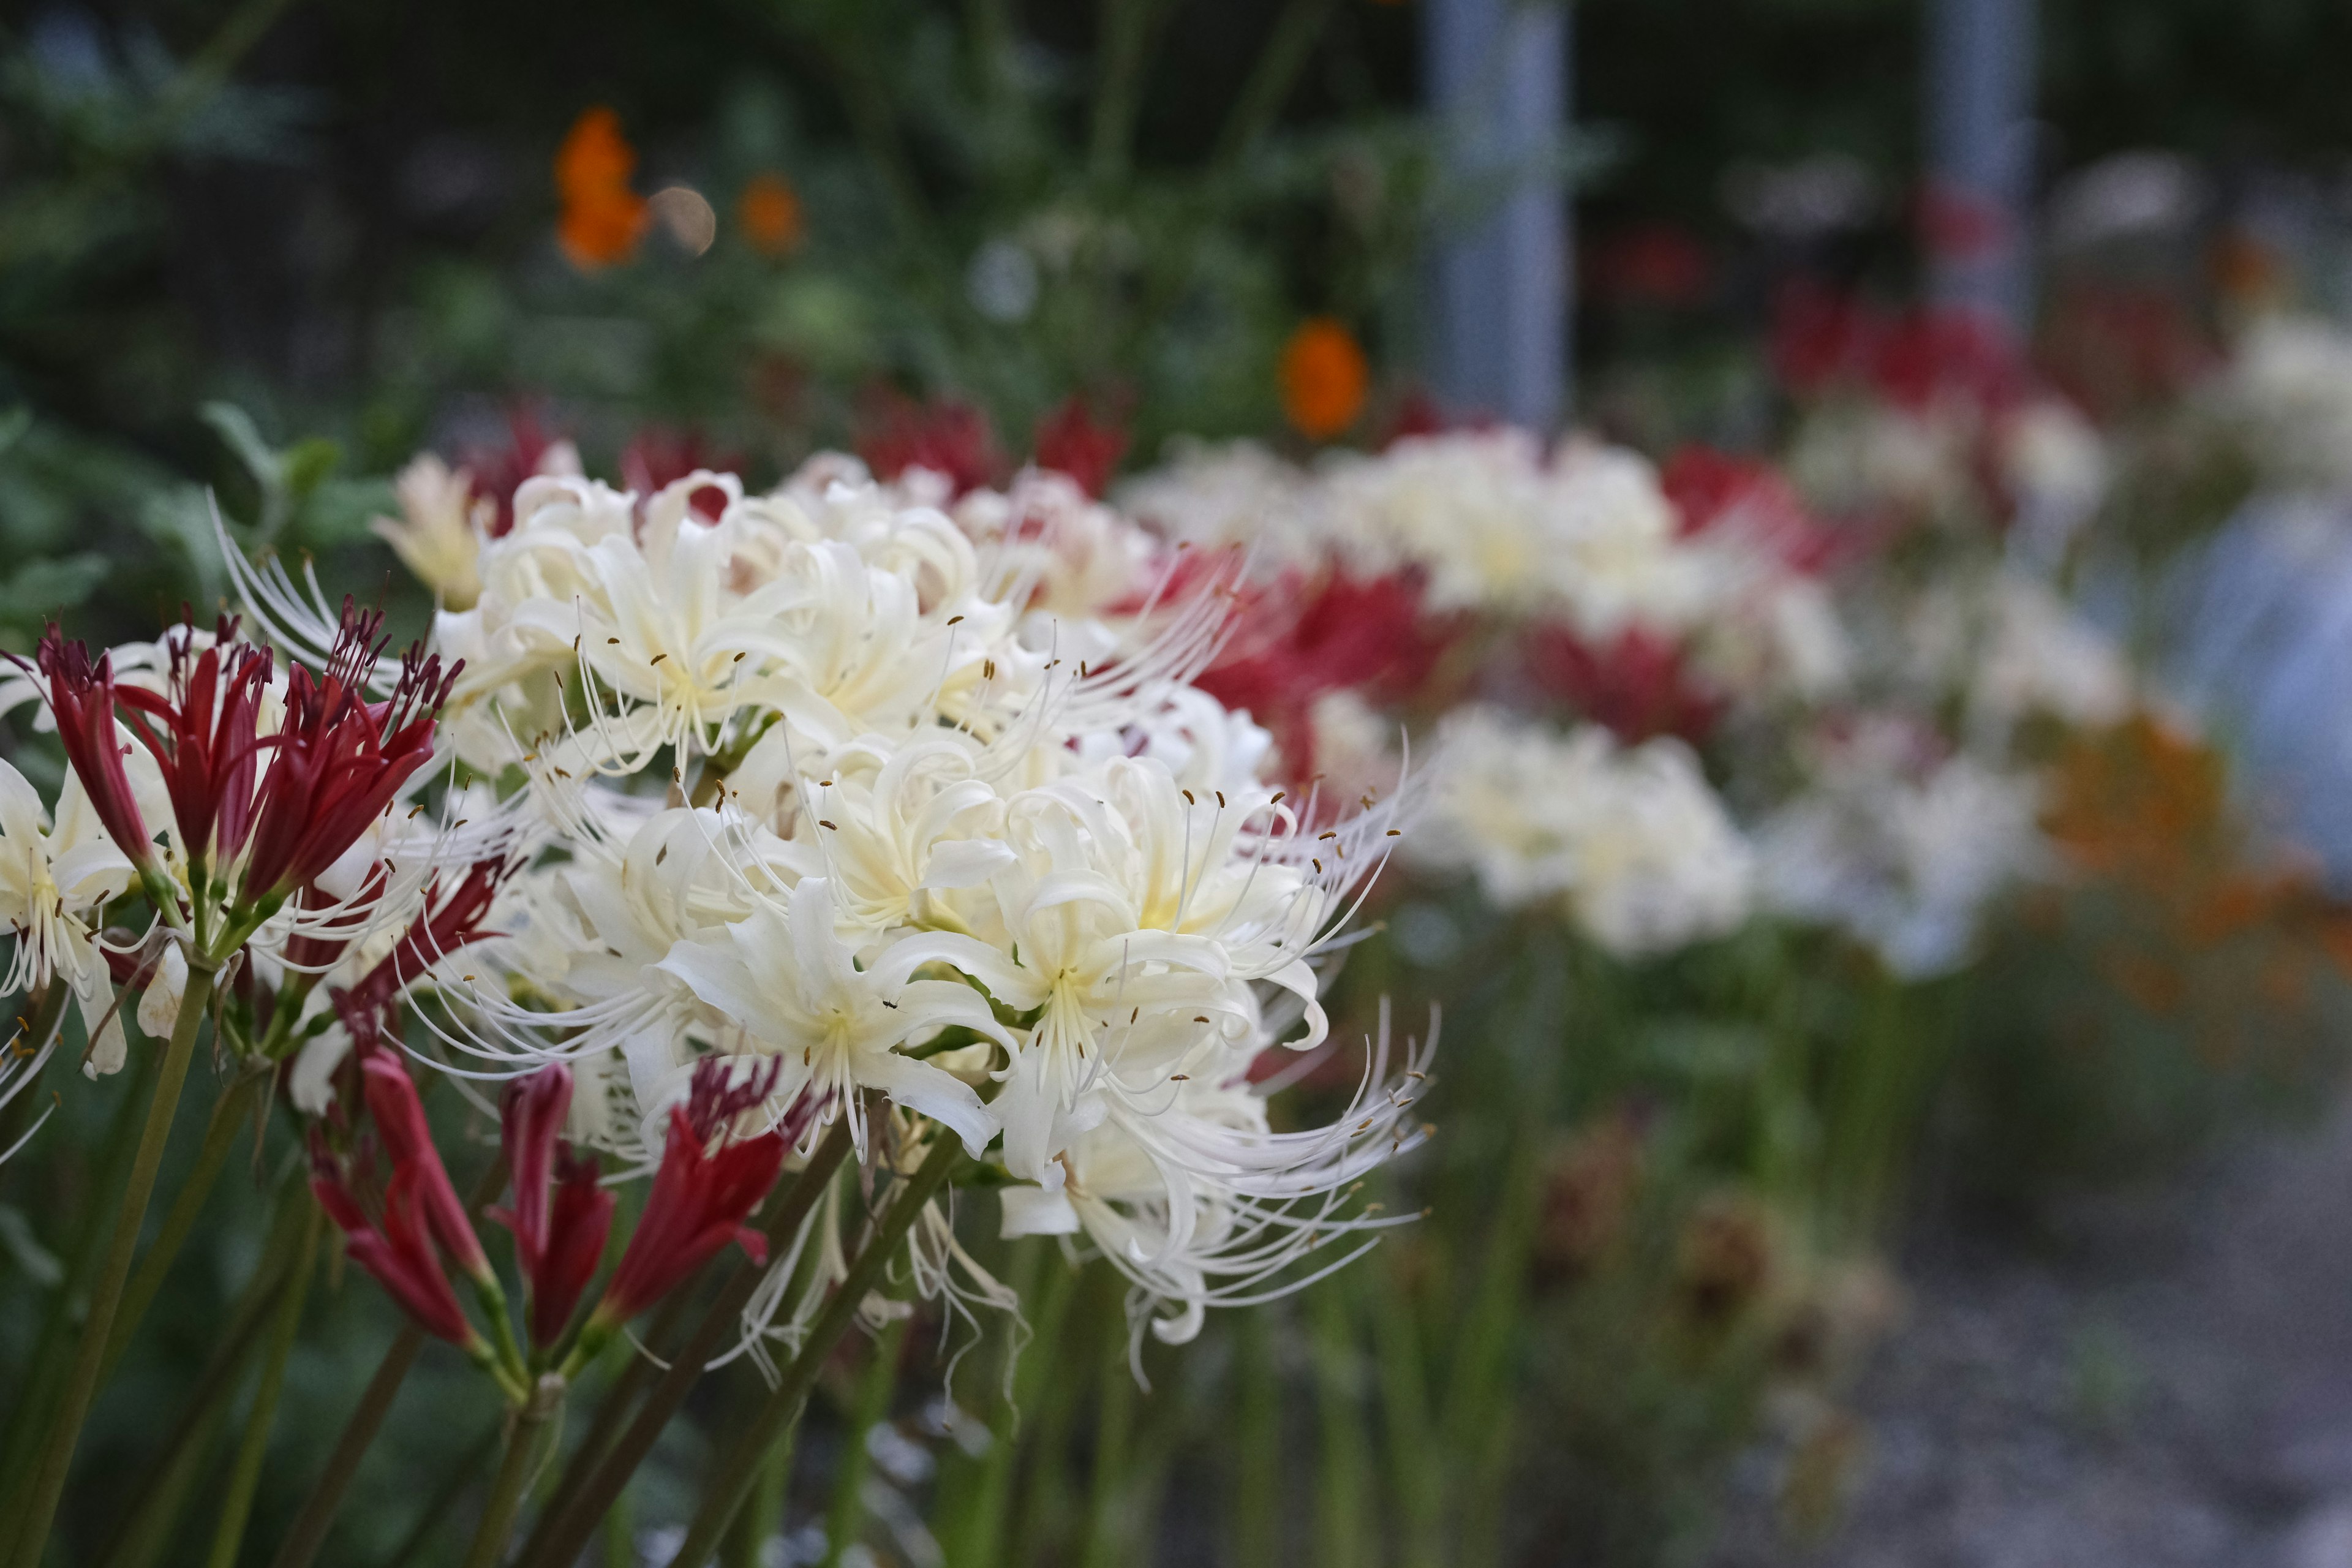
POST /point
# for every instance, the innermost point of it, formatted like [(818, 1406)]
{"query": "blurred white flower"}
[(1630, 841), (1902, 849)]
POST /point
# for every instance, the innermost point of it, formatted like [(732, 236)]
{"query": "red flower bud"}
[(399, 1118), (81, 696), (561, 1215), (392, 1243)]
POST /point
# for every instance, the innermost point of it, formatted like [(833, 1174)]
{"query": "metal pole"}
[(1497, 78), (1979, 156)]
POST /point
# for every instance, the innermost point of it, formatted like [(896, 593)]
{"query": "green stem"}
[(873, 1391), (246, 1474), (155, 1511), (1271, 80), (317, 1516), (974, 1521), (763, 1516), (563, 1534), (1404, 1396), (728, 1487), (436, 1511), (1127, 27), (1346, 1464), (1257, 1445), (37, 1393), (89, 1355), (1109, 1521), (187, 1206), (620, 1534), (513, 1479)]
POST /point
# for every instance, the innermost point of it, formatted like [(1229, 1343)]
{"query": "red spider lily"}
[(340, 758), (399, 1118), (389, 1239), (950, 439), (1822, 340), (1637, 686), (1298, 642), (1715, 490), (1068, 441), (447, 922), (82, 696), (561, 1214), (702, 1192)]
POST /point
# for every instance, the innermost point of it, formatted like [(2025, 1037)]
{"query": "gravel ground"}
[(2160, 1381)]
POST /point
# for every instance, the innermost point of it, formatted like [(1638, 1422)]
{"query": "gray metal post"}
[(1979, 70), (1497, 73)]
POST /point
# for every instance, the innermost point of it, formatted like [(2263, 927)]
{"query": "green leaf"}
[(40, 588)]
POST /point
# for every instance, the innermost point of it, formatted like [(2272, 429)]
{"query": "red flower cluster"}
[(1069, 441), (332, 767), (1714, 490), (339, 758), (1822, 340), (1637, 686), (450, 920), (1298, 641), (897, 433)]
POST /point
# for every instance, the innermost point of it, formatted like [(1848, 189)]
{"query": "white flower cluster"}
[(1492, 523), (1901, 843), (1632, 841), (832, 782)]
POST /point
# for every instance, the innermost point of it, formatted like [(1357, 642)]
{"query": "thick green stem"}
[(89, 1355), (187, 1205), (513, 1479), (563, 1534), (728, 1487), (246, 1474)]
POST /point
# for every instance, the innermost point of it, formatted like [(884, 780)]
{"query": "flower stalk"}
[(237, 1508), (106, 1292), (529, 1422), (732, 1483)]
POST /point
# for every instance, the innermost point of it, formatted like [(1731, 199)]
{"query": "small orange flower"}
[(768, 211), (602, 218), (1324, 378)]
